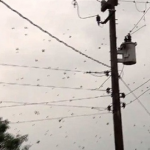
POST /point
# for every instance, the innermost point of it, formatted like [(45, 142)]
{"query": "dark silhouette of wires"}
[(140, 10), (140, 20), (54, 37), (138, 86), (144, 11), (75, 3), (138, 29), (51, 68), (137, 98), (121, 72), (133, 1), (58, 118), (22, 104), (48, 86), (97, 75), (60, 101), (104, 82)]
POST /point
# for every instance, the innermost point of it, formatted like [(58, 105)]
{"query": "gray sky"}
[(60, 19)]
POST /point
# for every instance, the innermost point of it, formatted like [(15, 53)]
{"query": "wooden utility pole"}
[(118, 135)]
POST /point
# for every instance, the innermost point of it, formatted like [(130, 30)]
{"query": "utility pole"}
[(118, 134)]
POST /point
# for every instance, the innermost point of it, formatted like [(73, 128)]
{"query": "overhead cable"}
[(138, 87), (140, 20), (59, 101), (48, 86), (58, 118), (104, 82), (137, 98), (54, 37), (51, 68), (78, 12), (134, 1), (54, 105), (138, 29), (140, 10)]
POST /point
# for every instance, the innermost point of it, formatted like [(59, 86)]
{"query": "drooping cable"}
[(47, 86), (140, 20), (47, 68), (59, 101), (133, 1), (121, 72), (54, 37), (104, 82), (75, 3), (58, 118), (22, 104), (143, 11)]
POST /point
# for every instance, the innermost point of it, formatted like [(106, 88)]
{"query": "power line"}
[(134, 1), (140, 10), (121, 70), (144, 11), (138, 86), (140, 20), (55, 105), (54, 37), (46, 68), (57, 69), (104, 82), (48, 86), (97, 75), (136, 97), (51, 103), (59, 101), (138, 29), (78, 12), (58, 118)]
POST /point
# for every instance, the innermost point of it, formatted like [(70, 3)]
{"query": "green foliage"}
[(8, 141)]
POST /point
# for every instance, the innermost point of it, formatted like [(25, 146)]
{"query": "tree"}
[(8, 141)]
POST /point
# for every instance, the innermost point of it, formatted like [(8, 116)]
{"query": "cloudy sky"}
[(63, 124)]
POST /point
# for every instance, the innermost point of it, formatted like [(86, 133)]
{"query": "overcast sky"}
[(23, 44)]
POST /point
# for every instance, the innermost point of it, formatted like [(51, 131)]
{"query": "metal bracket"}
[(111, 12)]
